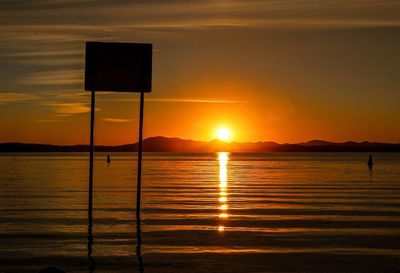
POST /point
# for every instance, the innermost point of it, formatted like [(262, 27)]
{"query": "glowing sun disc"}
[(223, 134)]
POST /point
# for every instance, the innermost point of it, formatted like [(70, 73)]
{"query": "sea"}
[(212, 212)]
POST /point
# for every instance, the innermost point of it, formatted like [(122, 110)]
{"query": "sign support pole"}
[(139, 171), (90, 202), (92, 106), (139, 183)]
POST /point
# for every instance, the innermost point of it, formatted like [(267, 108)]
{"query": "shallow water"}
[(271, 212)]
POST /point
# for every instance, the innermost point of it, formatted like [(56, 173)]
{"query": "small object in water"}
[(108, 159), (370, 163)]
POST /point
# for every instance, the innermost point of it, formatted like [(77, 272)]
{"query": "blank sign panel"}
[(123, 67)]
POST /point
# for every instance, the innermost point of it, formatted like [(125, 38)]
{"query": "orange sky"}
[(272, 71)]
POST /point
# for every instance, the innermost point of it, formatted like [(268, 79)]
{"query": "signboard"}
[(121, 67)]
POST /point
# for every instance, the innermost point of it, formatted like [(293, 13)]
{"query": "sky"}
[(286, 71)]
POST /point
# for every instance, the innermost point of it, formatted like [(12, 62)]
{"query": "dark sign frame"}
[(120, 67)]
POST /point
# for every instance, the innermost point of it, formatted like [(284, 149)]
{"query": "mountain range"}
[(164, 144)]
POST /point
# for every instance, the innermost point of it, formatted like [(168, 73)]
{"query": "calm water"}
[(274, 212)]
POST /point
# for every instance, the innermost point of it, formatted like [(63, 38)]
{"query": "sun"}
[(223, 134)]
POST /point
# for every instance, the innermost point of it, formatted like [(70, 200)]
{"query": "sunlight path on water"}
[(223, 188)]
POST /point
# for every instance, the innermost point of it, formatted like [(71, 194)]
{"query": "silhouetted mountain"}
[(316, 143), (164, 144)]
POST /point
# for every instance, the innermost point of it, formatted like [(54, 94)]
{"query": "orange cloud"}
[(116, 120), (69, 108), (14, 97)]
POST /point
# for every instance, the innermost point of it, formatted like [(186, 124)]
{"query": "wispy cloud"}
[(37, 30), (43, 53), (117, 120), (185, 100), (111, 16), (72, 95), (16, 97), (51, 77), (46, 120), (69, 108), (195, 100), (282, 23), (326, 23), (51, 61), (63, 115)]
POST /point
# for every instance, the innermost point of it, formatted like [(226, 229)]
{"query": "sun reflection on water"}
[(223, 188)]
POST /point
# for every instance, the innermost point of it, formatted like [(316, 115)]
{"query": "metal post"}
[(91, 156), (139, 184), (90, 238), (139, 171)]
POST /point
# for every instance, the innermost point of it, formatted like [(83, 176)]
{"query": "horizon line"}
[(215, 139)]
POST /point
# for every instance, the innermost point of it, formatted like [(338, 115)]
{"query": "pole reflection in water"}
[(223, 189), (139, 243), (92, 262)]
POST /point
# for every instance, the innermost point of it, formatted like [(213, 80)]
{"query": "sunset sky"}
[(284, 71)]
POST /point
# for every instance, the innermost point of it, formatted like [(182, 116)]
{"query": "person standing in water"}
[(108, 159), (370, 163)]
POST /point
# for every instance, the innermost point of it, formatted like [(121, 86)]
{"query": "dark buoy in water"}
[(370, 163), (108, 159)]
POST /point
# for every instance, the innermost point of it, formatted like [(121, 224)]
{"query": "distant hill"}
[(164, 144)]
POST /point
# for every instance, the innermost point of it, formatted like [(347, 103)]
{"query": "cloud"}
[(111, 16), (117, 120), (69, 108), (16, 97), (72, 95), (110, 20), (46, 120), (63, 115), (187, 100), (57, 77), (195, 100), (282, 23), (326, 23), (52, 61), (40, 53), (41, 29)]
